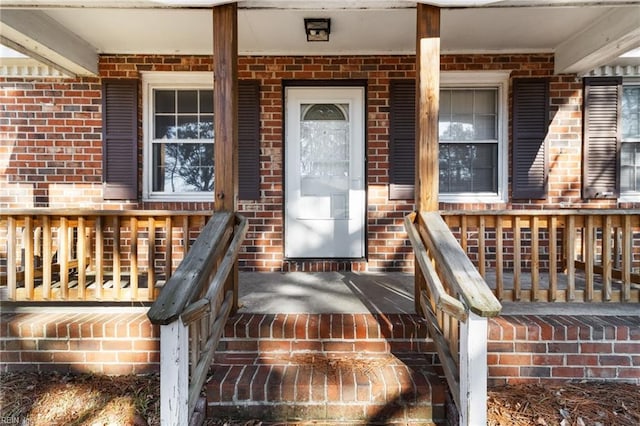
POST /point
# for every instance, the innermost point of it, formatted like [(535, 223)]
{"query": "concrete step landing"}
[(333, 368)]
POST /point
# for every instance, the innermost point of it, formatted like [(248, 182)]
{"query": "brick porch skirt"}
[(545, 348), (81, 340), (113, 341)]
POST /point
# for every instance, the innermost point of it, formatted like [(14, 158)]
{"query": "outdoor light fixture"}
[(317, 29)]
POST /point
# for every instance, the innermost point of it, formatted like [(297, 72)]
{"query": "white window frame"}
[(627, 197), (166, 80), (480, 80)]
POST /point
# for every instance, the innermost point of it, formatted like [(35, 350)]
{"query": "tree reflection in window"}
[(183, 141)]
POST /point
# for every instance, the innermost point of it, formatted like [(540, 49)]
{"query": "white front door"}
[(324, 172)]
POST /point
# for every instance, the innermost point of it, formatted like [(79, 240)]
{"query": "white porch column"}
[(473, 370), (174, 371)]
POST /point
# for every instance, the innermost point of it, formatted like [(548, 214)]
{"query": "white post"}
[(473, 371), (174, 374)]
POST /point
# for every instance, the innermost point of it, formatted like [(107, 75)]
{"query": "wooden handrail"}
[(456, 267), (194, 271), (456, 303), (191, 310), (443, 300), (542, 213), (196, 310), (103, 213)]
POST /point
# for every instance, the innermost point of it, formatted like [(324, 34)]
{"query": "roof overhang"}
[(70, 34)]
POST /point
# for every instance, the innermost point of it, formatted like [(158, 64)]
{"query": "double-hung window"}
[(473, 139), (468, 131), (612, 138), (630, 142), (179, 136)]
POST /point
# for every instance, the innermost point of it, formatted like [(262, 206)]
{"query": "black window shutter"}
[(248, 140), (120, 139), (530, 125), (402, 139), (601, 128)]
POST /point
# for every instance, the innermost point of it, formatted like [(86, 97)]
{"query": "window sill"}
[(471, 198), (188, 197), (631, 198)]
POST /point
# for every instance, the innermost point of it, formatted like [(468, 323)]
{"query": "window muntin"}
[(181, 152), (630, 144), (469, 130)]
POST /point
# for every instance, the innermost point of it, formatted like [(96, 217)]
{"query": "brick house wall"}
[(52, 144)]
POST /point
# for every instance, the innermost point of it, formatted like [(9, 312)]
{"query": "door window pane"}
[(324, 149)]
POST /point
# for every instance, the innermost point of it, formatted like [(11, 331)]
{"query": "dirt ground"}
[(89, 400)]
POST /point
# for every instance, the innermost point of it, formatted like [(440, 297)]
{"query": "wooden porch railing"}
[(555, 255), (456, 301), (192, 310), (75, 255)]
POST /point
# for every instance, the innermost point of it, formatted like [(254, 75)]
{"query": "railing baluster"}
[(37, 241), (606, 258), (481, 246), (517, 256), (463, 234), (133, 274), (116, 259), (616, 246), (185, 235), (535, 258), (553, 259), (168, 224), (99, 257), (194, 346), (29, 273), (499, 259), (12, 250), (626, 258), (571, 258), (63, 256), (589, 254), (151, 256), (47, 257), (82, 259)]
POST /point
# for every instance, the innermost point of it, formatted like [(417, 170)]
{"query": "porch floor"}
[(375, 293)]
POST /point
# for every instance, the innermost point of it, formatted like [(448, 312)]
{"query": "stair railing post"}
[(174, 377), (473, 370)]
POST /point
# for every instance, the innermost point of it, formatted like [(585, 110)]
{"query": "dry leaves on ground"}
[(89, 400), (39, 399), (569, 404)]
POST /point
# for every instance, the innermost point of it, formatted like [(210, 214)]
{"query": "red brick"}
[(514, 359), (568, 372), (258, 383), (599, 348)]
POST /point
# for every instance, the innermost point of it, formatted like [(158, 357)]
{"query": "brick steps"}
[(354, 368)]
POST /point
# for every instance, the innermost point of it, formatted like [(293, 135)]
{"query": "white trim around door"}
[(324, 172)]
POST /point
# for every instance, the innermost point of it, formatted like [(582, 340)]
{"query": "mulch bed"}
[(569, 404), (87, 400)]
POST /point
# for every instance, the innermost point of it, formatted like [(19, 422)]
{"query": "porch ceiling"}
[(586, 35)]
